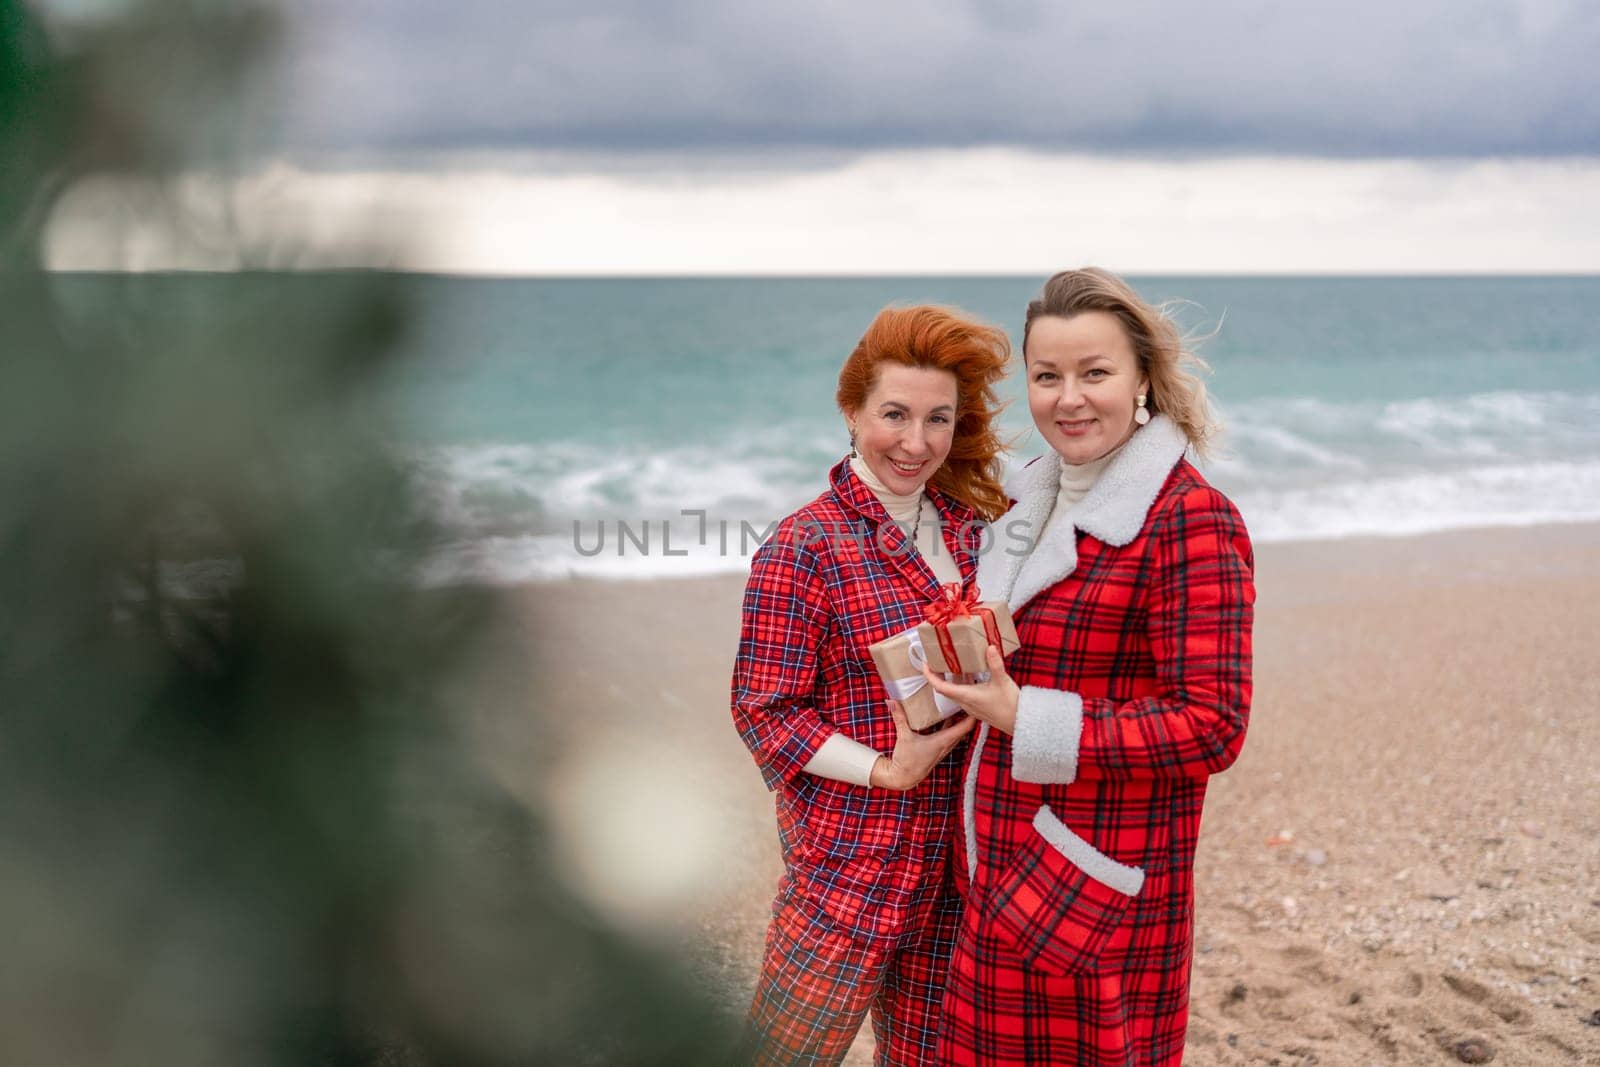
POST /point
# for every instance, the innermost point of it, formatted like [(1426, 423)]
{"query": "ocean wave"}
[(1283, 443), (1482, 426), (1299, 467), (1279, 443), (509, 490), (1513, 495)]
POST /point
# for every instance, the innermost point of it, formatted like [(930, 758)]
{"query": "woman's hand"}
[(994, 701), (915, 754)]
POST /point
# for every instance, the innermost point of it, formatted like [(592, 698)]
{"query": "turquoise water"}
[(659, 361), (542, 408), (1354, 405)]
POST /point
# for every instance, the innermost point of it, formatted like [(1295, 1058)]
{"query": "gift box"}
[(899, 660), (954, 642), (959, 631)]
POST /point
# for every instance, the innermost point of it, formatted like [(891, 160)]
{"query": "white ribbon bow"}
[(903, 689)]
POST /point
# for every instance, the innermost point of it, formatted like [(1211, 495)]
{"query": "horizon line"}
[(779, 275)]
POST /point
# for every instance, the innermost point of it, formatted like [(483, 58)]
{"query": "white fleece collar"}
[(1113, 511)]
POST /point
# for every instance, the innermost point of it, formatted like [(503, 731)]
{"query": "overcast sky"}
[(1358, 77), (518, 136)]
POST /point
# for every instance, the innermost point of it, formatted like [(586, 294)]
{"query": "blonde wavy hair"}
[(1171, 368)]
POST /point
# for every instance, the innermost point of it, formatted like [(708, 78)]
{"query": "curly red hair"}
[(976, 353)]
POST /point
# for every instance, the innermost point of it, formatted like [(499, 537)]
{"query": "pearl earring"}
[(1142, 415)]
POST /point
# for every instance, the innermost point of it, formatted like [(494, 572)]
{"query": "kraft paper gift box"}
[(958, 633), (899, 661)]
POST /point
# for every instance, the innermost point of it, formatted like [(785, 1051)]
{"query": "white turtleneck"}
[(1076, 481), (905, 510), (843, 758)]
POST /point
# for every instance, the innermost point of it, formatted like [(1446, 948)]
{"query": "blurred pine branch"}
[(240, 817)]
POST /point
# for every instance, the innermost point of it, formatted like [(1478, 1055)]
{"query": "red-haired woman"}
[(866, 910), (1130, 581)]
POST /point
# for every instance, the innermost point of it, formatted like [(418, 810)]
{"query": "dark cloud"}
[(1363, 77)]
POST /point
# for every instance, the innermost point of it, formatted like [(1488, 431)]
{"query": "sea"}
[(646, 428), (641, 428)]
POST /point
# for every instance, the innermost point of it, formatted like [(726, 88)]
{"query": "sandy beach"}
[(1402, 867)]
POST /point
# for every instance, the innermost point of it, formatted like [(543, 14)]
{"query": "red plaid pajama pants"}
[(818, 984)]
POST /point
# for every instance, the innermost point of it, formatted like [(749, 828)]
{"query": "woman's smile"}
[(1083, 383), (908, 407)]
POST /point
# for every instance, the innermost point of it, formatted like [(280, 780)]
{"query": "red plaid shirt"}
[(837, 576), (1135, 626)]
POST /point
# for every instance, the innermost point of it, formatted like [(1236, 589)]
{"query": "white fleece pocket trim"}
[(969, 802), (1088, 859)]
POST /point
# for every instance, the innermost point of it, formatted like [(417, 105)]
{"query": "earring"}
[(853, 452), (1142, 415)]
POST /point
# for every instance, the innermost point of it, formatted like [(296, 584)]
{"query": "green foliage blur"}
[(241, 821)]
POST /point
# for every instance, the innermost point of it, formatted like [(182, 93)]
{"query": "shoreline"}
[(1405, 856)]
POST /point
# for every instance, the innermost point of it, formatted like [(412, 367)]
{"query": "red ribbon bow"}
[(955, 604)]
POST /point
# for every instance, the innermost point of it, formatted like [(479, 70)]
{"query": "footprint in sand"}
[(1309, 965), (1410, 985), (1377, 1031), (1482, 995), (1233, 998)]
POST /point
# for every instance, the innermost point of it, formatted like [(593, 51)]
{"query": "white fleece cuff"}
[(1044, 746), (844, 759)]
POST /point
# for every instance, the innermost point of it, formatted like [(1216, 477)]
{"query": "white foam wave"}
[(1299, 468), (1520, 495), (1281, 443), (1261, 437), (1484, 426), (1502, 411), (504, 490)]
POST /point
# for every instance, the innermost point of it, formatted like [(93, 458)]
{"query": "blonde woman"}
[(1083, 788)]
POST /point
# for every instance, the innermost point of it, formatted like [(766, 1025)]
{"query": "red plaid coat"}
[(1080, 829), (837, 576)]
